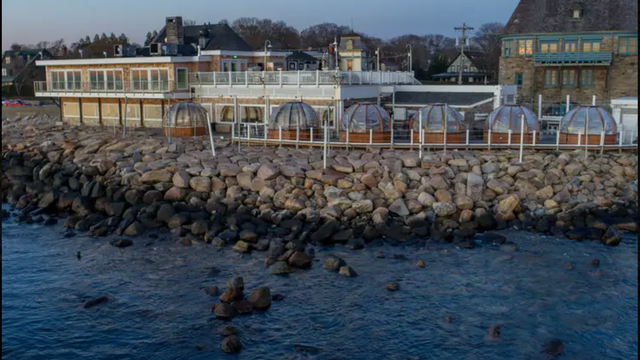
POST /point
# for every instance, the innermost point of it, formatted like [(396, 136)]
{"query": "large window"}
[(234, 65), (628, 45), (587, 77), (525, 47), (569, 77), (66, 79), (570, 45), (182, 78), (591, 45), (106, 80), (150, 79), (507, 48), (549, 46), (551, 78)]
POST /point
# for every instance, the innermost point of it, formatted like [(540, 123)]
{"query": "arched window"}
[(349, 44)]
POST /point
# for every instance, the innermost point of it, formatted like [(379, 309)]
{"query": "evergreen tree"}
[(104, 37), (123, 39), (96, 38), (148, 39), (87, 40)]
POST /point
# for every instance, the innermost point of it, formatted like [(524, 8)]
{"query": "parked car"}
[(14, 103)]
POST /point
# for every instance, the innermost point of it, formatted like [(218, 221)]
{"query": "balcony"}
[(301, 78), (601, 58), (115, 89)]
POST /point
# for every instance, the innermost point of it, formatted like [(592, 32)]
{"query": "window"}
[(182, 78), (569, 77), (525, 47), (586, 77), (349, 44), (576, 14), (549, 46), (150, 79), (7, 60), (110, 79), (519, 79), (90, 110), (570, 46), (551, 78), (234, 65), (628, 45), (507, 48), (66, 79), (4, 72), (152, 112), (110, 111), (591, 45)]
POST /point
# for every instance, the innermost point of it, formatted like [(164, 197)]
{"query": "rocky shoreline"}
[(280, 200)]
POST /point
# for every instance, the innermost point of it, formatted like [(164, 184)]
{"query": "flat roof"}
[(124, 60)]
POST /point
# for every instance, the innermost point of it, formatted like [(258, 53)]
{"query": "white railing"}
[(259, 133), (301, 78)]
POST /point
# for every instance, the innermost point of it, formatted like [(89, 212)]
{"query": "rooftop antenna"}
[(463, 41)]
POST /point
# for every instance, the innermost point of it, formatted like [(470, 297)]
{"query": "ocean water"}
[(158, 311)]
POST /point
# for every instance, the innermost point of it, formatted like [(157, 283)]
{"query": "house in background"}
[(469, 63), (565, 47), (353, 53), (302, 61), (389, 65), (19, 70)]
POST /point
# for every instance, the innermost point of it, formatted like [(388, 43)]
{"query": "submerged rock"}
[(260, 298), (96, 301), (347, 271), (231, 344)]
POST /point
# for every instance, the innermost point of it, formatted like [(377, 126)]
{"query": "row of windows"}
[(524, 47), (112, 79), (569, 78)]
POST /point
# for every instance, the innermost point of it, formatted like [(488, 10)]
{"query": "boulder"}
[(242, 247), (181, 179), (260, 298), (200, 184), (122, 243), (280, 268), (475, 186), (231, 344), (443, 209), (426, 199), (362, 206), (612, 237), (268, 172), (300, 260), (234, 292), (242, 306), (369, 180), (224, 311), (334, 263), (506, 207), (347, 271), (156, 176), (175, 194), (399, 208)]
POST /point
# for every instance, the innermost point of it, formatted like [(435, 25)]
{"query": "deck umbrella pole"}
[(421, 134), (326, 135), (124, 126), (602, 142), (586, 136), (210, 125)]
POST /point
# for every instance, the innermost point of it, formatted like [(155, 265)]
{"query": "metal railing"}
[(404, 137), (137, 86), (301, 78), (579, 57)]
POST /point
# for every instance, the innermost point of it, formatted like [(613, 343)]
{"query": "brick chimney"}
[(65, 52), (175, 30)]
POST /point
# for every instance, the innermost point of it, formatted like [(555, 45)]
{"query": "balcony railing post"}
[(509, 137), (246, 78), (317, 78), (534, 138), (521, 138), (370, 136), (558, 140), (420, 134), (297, 136), (621, 138), (311, 134), (467, 140), (580, 138), (540, 106), (489, 140), (568, 103), (298, 78), (214, 79), (280, 77), (230, 79), (602, 142)]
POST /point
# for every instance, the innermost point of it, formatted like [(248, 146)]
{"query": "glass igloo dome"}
[(293, 115), (575, 121), (434, 116), (185, 115), (362, 117), (509, 117)]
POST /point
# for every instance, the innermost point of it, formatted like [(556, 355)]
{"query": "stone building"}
[(556, 48)]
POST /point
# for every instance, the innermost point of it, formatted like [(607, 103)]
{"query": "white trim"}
[(125, 60), (187, 86), (104, 74), (137, 114), (148, 70), (75, 104), (246, 53), (115, 95)]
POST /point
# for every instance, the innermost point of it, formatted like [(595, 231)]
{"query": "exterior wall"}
[(620, 79)]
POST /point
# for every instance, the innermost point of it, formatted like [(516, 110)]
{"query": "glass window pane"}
[(164, 79), (118, 79), (182, 79)]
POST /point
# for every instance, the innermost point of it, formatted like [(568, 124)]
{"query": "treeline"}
[(432, 53)]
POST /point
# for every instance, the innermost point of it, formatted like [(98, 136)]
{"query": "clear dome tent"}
[(588, 121), (433, 118), (363, 117), (365, 123), (185, 119), (509, 117), (294, 115), (293, 121)]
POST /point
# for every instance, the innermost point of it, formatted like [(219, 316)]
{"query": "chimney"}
[(174, 30), (65, 52)]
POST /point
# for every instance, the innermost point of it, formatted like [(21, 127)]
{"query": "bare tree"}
[(487, 40), (321, 35), (256, 31)]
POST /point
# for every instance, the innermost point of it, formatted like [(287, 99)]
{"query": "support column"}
[(100, 111)]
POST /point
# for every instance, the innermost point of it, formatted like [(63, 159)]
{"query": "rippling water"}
[(160, 313)]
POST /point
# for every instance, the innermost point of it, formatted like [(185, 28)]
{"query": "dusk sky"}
[(30, 21)]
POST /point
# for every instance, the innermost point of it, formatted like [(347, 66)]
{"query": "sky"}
[(30, 21)]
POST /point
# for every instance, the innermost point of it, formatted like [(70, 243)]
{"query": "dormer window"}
[(577, 12), (349, 44)]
